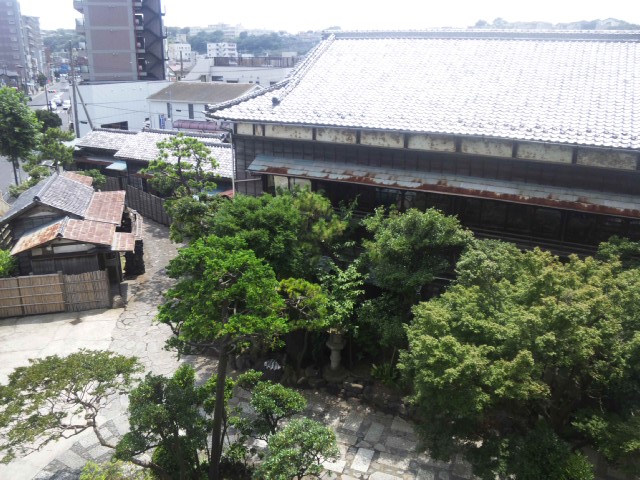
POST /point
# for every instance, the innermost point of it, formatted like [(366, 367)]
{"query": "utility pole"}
[(76, 126)]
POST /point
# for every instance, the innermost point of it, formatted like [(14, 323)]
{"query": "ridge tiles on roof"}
[(558, 87)]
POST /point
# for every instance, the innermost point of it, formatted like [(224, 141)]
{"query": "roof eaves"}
[(37, 191), (213, 107)]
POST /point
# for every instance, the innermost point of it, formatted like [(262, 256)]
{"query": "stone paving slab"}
[(362, 460)]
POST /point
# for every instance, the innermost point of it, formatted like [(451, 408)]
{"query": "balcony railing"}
[(78, 5), (80, 25), (274, 62)]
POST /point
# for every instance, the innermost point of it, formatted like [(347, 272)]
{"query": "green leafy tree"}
[(192, 217), (184, 167), (297, 451), (271, 403), (41, 79), (48, 119), (404, 253), (172, 416), (8, 264), (527, 359), (343, 288), (50, 148), (99, 179), (113, 470), (291, 231), (225, 297), (19, 128), (408, 250), (59, 397)]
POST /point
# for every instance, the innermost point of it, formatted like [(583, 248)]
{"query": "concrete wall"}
[(116, 102), (110, 40)]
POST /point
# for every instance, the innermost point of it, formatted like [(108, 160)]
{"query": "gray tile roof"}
[(143, 147), (56, 191), (67, 195), (199, 92), (105, 139), (562, 87)]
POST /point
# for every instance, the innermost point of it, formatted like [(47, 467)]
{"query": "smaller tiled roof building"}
[(129, 152), (531, 136), (62, 224)]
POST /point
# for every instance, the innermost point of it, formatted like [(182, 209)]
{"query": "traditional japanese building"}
[(529, 136)]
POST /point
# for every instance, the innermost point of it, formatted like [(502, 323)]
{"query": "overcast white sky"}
[(302, 15)]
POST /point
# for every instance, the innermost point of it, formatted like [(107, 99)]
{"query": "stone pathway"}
[(373, 445)]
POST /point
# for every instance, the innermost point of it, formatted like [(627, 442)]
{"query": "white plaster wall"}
[(481, 146), (292, 133), (382, 139), (544, 152), (607, 158), (438, 143), (116, 102), (245, 129), (335, 135)]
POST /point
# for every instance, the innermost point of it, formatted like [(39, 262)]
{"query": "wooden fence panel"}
[(87, 291), (149, 206), (113, 184), (41, 294), (10, 299)]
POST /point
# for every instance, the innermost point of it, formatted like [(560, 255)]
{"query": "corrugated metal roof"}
[(106, 207), (578, 88), (39, 236), (123, 242), (529, 193)]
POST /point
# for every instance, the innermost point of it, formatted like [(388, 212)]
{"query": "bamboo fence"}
[(40, 294)]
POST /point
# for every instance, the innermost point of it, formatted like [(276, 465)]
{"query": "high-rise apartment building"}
[(34, 48), (124, 39), (13, 68)]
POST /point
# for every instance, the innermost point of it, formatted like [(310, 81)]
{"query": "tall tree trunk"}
[(16, 165), (218, 413)]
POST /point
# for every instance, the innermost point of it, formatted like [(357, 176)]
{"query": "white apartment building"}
[(222, 50), (179, 52), (230, 31)]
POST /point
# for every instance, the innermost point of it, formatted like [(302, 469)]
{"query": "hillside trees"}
[(527, 359)]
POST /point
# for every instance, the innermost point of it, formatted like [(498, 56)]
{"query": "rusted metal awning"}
[(606, 203)]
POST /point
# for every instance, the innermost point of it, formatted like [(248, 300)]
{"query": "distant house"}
[(186, 101), (63, 225), (262, 71), (529, 136), (123, 154)]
